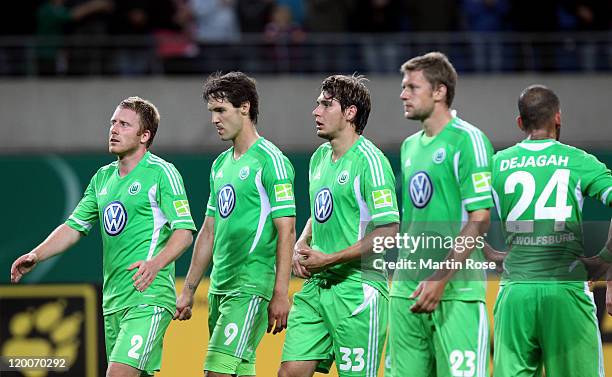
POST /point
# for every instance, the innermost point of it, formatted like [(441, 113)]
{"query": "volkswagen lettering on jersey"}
[(115, 217), (323, 205), (226, 200), (421, 189)]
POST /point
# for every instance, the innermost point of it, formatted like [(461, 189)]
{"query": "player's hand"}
[(299, 270), (428, 294), (147, 271), (184, 305), (312, 260), (496, 256), (278, 311), (595, 266), (22, 266)]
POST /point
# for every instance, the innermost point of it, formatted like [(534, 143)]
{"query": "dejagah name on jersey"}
[(539, 188)]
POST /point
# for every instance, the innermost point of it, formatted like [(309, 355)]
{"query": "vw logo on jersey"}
[(226, 200), (323, 205), (421, 189), (115, 217)]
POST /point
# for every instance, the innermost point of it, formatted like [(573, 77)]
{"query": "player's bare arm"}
[(278, 310), (60, 240), (202, 254), (315, 261), (429, 291), (303, 243), (147, 270)]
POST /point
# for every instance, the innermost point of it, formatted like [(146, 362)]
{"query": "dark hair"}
[(537, 106), (437, 70), (235, 87), (348, 91), (149, 116)]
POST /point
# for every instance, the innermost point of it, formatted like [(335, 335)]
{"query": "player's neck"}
[(342, 143), (435, 123), (128, 162), (244, 140), (542, 134)]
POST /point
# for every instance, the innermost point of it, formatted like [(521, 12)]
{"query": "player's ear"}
[(519, 122), (145, 136), (350, 113), (245, 107), (439, 93)]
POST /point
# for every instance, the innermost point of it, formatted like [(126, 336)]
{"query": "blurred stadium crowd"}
[(135, 37)]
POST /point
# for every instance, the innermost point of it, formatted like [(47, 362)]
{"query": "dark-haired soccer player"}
[(438, 322), (545, 314), (146, 224), (341, 312), (248, 231)]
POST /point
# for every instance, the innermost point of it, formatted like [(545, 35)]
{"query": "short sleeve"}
[(597, 180), (172, 199), (474, 171), (378, 187), (277, 177), (85, 214)]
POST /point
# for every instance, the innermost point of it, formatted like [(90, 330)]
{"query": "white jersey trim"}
[(277, 158), (264, 210), (159, 220), (604, 197), (82, 223), (478, 144), (171, 173)]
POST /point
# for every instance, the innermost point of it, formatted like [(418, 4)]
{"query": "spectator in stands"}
[(329, 16), (297, 10), (594, 16), (174, 30), (52, 19), (253, 16), (285, 38), (374, 17), (132, 22), (485, 18), (535, 16), (216, 31)]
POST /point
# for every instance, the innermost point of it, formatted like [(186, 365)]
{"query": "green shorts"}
[(550, 325), (135, 335), (236, 322), (451, 341), (343, 322)]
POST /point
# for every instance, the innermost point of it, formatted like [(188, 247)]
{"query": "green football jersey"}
[(348, 199), (539, 186), (138, 214), (245, 195), (443, 178)]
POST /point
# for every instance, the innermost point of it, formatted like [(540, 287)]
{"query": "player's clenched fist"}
[(184, 303), (22, 266)]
